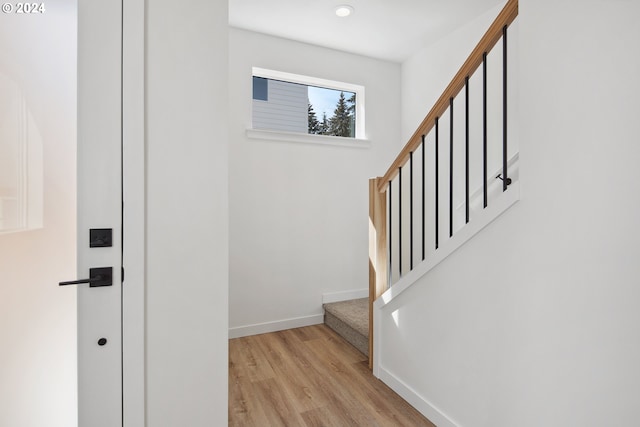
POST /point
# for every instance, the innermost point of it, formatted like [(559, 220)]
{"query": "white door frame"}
[(134, 224), (133, 195)]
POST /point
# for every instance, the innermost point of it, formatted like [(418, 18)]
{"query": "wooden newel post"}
[(378, 275)]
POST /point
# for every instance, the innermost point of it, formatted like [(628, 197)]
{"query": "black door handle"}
[(102, 276)]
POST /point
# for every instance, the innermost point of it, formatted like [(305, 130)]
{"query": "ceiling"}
[(384, 29)]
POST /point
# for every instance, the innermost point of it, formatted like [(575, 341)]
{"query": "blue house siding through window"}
[(280, 106)]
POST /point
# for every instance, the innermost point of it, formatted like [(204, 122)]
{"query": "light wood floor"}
[(309, 377)]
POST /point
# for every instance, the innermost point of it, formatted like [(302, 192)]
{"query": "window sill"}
[(270, 135)]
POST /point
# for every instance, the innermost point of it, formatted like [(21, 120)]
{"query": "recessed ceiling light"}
[(344, 10)]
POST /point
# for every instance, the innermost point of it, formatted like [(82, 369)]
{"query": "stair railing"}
[(383, 261)]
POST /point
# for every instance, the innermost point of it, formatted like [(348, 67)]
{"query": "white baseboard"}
[(425, 407), (344, 295), (278, 325)]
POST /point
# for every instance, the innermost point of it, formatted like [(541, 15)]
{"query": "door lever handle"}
[(102, 276)]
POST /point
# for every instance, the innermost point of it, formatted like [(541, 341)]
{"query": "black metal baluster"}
[(484, 125), (437, 191), (423, 182), (400, 221), (451, 167), (411, 211), (390, 244), (466, 149), (505, 179)]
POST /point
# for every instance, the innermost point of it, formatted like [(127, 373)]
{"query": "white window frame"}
[(323, 83)]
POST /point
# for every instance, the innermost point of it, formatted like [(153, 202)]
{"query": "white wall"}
[(37, 318), (426, 74), (535, 321), (187, 213), (298, 212)]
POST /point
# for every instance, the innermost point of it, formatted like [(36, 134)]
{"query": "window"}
[(260, 91), (286, 102)]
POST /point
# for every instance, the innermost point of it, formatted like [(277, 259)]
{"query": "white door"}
[(100, 207)]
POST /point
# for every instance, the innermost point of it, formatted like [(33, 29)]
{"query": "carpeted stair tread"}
[(354, 313), (350, 319)]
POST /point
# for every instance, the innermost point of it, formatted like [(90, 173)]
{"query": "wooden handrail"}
[(490, 38)]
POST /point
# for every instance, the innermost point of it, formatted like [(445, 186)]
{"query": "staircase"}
[(451, 179), (350, 320), (457, 173)]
